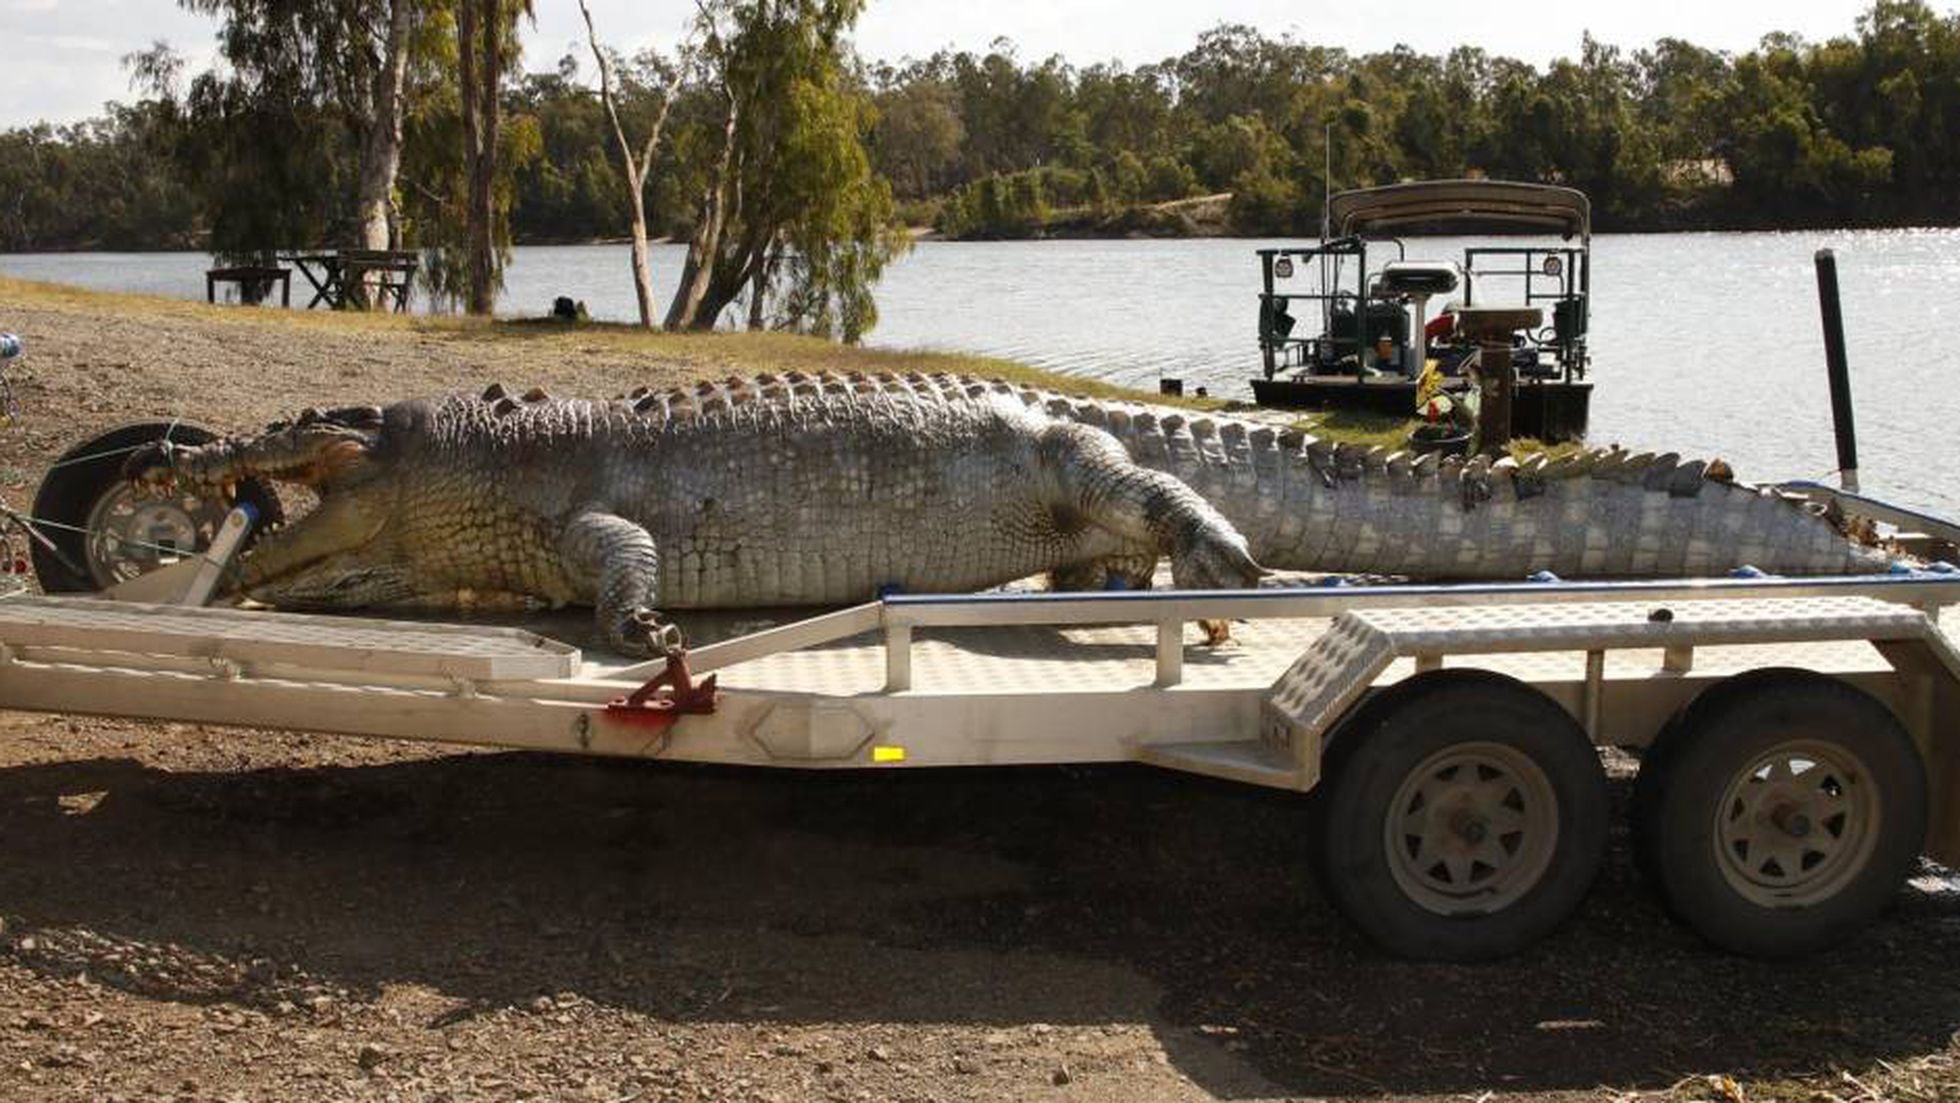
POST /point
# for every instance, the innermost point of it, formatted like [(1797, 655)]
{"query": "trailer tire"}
[(84, 497), (1781, 814), (1460, 819)]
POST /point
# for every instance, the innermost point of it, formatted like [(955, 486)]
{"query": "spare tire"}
[(103, 530)]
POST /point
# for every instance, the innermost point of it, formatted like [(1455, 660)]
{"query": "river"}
[(1706, 344)]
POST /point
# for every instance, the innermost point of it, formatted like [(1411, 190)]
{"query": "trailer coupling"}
[(647, 708)]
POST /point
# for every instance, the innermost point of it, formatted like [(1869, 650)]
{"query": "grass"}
[(714, 353), (720, 350)]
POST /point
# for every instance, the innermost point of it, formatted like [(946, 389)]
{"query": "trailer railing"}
[(899, 617)]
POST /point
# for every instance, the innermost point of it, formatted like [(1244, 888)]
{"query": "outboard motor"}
[(1418, 280)]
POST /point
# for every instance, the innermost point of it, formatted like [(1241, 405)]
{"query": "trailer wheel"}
[(1782, 813), (104, 532), (1462, 819)]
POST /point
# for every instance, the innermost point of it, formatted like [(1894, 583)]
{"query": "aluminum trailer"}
[(1800, 738)]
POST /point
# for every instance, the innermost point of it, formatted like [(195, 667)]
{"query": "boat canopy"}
[(1461, 204)]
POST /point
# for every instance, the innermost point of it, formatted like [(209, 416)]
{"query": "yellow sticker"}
[(888, 754)]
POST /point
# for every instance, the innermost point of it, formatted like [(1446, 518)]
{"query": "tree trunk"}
[(472, 134), (704, 249), (637, 170), (733, 270), (642, 269), (381, 160), (477, 32), (381, 156), (758, 291)]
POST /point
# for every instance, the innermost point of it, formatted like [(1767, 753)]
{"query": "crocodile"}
[(832, 488)]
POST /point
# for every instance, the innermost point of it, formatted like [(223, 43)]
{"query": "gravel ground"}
[(192, 913)]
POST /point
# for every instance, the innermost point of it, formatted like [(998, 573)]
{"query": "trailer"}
[(1799, 738)]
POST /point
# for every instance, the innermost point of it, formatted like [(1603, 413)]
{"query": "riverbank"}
[(96, 359), (203, 914)]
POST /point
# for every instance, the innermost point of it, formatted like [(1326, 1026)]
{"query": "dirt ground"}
[(190, 913)]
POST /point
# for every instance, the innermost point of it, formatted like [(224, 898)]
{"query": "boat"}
[(1375, 336)]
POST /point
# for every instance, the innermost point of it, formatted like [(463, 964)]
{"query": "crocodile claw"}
[(646, 632)]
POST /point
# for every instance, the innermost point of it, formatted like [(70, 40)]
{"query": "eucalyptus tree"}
[(792, 211), (486, 53), (295, 58), (638, 165)]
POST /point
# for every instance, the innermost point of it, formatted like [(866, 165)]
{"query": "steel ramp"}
[(320, 643)]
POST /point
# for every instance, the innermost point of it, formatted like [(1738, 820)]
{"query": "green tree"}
[(793, 211), (312, 65), (917, 140)]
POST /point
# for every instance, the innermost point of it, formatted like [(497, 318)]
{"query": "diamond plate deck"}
[(1031, 659), (1360, 647), (1012, 660)]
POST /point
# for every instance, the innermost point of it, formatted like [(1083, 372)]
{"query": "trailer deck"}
[(1046, 678), (958, 680)]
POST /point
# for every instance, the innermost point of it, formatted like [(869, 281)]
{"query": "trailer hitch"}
[(646, 708)]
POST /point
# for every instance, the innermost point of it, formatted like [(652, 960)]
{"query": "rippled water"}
[(1707, 344)]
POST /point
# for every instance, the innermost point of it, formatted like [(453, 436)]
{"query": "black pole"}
[(1840, 370)]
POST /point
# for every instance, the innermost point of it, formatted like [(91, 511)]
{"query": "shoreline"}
[(927, 235)]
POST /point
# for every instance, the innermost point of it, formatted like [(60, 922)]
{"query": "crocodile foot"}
[(1216, 562)]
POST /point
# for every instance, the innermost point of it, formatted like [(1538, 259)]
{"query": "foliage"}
[(1857, 130), (97, 184), (795, 218)]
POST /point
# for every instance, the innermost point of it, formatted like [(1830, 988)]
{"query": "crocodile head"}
[(339, 555)]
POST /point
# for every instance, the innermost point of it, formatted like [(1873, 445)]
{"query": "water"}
[(1706, 344)]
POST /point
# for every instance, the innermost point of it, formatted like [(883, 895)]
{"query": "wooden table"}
[(343, 278), (248, 277)]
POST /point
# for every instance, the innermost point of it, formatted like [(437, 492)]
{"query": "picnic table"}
[(345, 277), (254, 282)]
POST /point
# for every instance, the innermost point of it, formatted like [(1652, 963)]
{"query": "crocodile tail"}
[(1310, 505)]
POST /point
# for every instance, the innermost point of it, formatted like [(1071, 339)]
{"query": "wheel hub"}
[(129, 535), (1472, 829), (1796, 823)]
